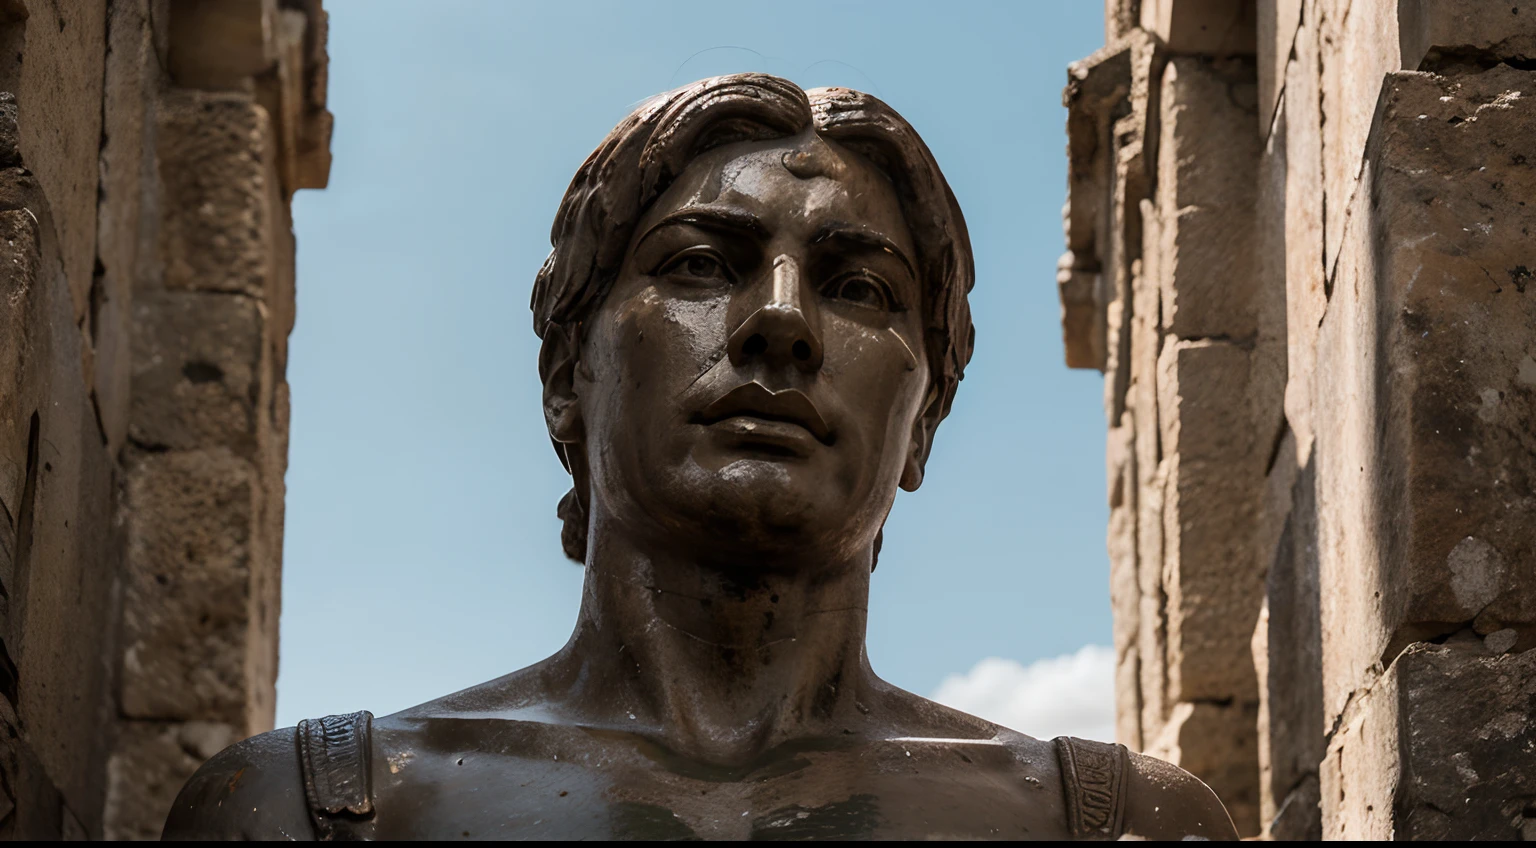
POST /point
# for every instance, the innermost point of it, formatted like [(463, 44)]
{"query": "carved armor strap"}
[(335, 753), (1093, 776)]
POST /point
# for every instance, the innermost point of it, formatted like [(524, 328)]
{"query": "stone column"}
[(1342, 459), (1159, 291), (239, 127)]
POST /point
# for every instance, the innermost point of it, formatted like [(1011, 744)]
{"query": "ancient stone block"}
[(1278, 21), (186, 610), (1440, 748), (1358, 46), (151, 762), (1216, 741), (197, 370), (1437, 34), (1202, 27), (1207, 156), (221, 44), (59, 128), (1305, 294), (127, 169), (1211, 582), (215, 217)]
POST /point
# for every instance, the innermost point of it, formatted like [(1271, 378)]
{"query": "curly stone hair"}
[(649, 149)]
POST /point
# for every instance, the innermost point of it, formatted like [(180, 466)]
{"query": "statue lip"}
[(755, 400)]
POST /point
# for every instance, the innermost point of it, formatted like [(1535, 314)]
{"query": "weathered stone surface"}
[(1212, 585), (1216, 741), (186, 612), (127, 174), (1278, 21), (221, 44), (151, 762), (1207, 156), (215, 215), (1358, 46), (59, 127), (1437, 34), (197, 371), (1202, 27), (1441, 748), (1306, 296), (1445, 291)]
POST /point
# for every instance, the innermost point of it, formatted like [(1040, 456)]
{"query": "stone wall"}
[(148, 152), (1299, 248)]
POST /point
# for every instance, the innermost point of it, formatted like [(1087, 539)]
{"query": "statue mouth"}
[(754, 400)]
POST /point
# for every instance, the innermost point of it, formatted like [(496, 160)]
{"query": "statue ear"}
[(923, 428), (557, 368)]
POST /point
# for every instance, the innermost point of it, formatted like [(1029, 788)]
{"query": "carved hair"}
[(642, 156)]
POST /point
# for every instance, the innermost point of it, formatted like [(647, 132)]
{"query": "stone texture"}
[(1202, 27), (188, 586), (1278, 21), (1434, 762), (59, 95), (1438, 34), (215, 213), (150, 765), (1207, 153), (197, 371), (1306, 296)]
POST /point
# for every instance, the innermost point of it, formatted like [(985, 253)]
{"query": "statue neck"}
[(721, 662)]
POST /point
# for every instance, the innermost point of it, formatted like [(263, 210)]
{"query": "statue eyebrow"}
[(715, 218), (862, 235)]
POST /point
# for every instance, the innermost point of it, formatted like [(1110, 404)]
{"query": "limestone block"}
[(1305, 293), (1082, 315), (1215, 742), (1123, 592), (1454, 235), (1202, 27), (59, 127), (1128, 699), (221, 44), (1151, 618), (1208, 153), (1441, 748), (1433, 33), (1358, 46), (189, 565), (149, 765), (1278, 21), (197, 371), (1291, 730), (215, 227), (1424, 477), (1212, 584), (127, 170)]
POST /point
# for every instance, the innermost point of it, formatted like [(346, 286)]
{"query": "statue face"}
[(753, 382)]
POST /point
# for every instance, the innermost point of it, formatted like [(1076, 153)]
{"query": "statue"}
[(753, 320)]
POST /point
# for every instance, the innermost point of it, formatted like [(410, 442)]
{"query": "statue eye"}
[(697, 266), (862, 290)]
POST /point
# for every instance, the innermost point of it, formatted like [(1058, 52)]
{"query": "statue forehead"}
[(803, 177)]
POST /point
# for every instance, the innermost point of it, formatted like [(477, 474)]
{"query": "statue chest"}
[(615, 793)]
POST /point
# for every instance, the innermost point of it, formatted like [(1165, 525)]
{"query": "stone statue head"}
[(753, 319)]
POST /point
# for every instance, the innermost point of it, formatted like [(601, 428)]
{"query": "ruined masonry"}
[(148, 153), (1300, 250)]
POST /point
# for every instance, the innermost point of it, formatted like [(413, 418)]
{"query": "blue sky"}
[(422, 551)]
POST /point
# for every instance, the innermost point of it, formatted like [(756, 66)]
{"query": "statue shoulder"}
[(1164, 801), (250, 790)]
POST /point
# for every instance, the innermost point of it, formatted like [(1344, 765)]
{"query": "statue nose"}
[(779, 332)]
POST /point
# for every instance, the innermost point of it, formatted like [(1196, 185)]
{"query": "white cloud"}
[(1069, 695)]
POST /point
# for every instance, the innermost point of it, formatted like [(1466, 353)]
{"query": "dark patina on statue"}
[(753, 320)]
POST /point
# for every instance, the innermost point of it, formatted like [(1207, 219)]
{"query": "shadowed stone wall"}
[(1299, 248), (148, 151)]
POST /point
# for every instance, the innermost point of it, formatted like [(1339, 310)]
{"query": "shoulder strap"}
[(1093, 776), (335, 753)]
